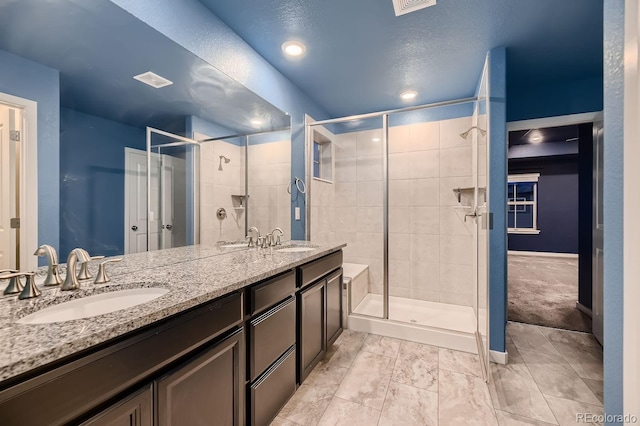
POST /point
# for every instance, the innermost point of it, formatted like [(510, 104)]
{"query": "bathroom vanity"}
[(229, 343)]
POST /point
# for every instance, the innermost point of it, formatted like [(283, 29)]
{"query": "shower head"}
[(226, 161), (465, 135)]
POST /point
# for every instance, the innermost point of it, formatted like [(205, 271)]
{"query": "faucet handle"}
[(30, 290), (15, 286), (250, 238), (84, 273), (102, 276)]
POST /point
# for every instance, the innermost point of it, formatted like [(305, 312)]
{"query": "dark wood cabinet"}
[(334, 306), (134, 410), (207, 389), (312, 337)]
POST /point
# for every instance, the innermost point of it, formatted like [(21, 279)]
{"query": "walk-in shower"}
[(407, 191)]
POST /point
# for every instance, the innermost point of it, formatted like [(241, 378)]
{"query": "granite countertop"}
[(193, 275)]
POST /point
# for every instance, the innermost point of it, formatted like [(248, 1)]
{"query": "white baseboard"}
[(584, 309), (542, 254), (498, 357)]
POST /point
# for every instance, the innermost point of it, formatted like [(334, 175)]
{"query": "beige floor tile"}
[(581, 350), (279, 421), (464, 400), (460, 362), (326, 374), (367, 380), (597, 387), (406, 405), (351, 339), (417, 365), (567, 412), (307, 405), (513, 390), (529, 337), (347, 413), (381, 345), (508, 419), (340, 356), (513, 352)]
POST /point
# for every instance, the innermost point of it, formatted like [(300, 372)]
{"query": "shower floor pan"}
[(438, 324)]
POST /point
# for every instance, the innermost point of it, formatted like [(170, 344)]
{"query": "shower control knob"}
[(134, 228)]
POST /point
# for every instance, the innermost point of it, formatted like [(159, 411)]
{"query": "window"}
[(322, 166), (522, 199)]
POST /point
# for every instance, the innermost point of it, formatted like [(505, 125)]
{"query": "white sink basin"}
[(236, 245), (295, 249), (92, 306)]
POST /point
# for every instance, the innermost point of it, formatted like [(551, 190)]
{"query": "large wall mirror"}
[(67, 83)]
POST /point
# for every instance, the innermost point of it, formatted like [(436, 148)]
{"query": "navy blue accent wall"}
[(30, 80), (92, 182), (557, 205), (552, 99)]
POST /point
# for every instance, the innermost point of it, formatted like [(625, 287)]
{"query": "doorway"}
[(552, 274), (18, 183)]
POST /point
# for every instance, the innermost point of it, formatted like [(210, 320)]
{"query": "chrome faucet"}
[(71, 281), (252, 242), (53, 275), (275, 239)]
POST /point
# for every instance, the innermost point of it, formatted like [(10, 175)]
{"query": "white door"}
[(173, 203), (598, 231), (136, 202), (8, 147)]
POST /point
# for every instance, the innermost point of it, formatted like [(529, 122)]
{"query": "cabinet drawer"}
[(269, 394), (271, 292), (319, 268), (271, 334)]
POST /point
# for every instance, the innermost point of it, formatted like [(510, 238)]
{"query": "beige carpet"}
[(543, 291)]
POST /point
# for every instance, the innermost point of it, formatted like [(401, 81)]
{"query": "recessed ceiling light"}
[(408, 95), (256, 122), (293, 48), (535, 136), (153, 79)]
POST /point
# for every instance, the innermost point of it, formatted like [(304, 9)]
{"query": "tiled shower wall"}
[(269, 174), (216, 188), (430, 245)]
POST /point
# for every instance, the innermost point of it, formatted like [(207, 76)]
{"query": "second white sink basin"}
[(92, 306), (295, 249)]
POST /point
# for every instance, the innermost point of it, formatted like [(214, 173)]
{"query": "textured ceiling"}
[(98, 48), (360, 56)]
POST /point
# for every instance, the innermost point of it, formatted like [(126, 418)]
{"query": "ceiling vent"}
[(403, 7), (153, 79)]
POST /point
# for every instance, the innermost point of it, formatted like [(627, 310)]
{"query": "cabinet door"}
[(334, 307), (312, 338), (135, 410), (207, 389)]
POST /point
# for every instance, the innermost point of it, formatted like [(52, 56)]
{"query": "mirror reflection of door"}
[(598, 230), (8, 180)]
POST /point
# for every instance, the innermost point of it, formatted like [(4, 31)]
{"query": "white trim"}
[(528, 177), (584, 309), (499, 357), (523, 231), (28, 180), (562, 120), (541, 254), (631, 226)]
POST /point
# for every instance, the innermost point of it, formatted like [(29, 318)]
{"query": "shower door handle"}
[(473, 215)]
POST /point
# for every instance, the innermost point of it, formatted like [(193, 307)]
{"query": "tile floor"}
[(372, 380)]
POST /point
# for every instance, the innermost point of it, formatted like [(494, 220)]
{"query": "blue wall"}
[(30, 80), (194, 27), (557, 205), (498, 198), (552, 99), (92, 181), (613, 202)]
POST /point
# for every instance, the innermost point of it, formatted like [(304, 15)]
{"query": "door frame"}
[(631, 226), (28, 179)]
